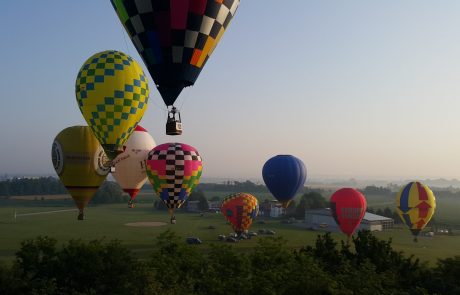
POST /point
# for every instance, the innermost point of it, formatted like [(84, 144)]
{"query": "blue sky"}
[(364, 89)]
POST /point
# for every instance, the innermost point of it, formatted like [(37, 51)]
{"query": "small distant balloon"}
[(79, 162), (240, 210), (129, 166), (174, 170), (415, 204), (348, 207), (112, 94), (284, 175)]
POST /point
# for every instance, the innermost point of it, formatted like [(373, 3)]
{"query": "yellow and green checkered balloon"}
[(112, 93)]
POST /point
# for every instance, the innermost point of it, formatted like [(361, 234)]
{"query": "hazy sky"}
[(365, 89)]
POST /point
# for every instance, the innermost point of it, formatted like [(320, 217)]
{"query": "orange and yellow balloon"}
[(240, 210)]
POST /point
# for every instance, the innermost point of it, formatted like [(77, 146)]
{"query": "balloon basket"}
[(174, 124)]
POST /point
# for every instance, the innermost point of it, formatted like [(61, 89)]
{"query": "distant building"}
[(322, 219), (214, 205), (271, 209)]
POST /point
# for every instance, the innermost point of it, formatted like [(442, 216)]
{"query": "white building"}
[(277, 210), (214, 205), (271, 209), (322, 219)]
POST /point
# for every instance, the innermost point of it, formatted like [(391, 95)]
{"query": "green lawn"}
[(109, 221)]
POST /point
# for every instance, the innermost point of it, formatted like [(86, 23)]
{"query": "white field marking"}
[(44, 212)]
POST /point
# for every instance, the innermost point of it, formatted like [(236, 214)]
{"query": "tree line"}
[(31, 186), (109, 192), (233, 186), (368, 266)]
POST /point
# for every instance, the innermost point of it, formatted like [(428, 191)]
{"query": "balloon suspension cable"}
[(185, 96), (124, 38), (158, 106)]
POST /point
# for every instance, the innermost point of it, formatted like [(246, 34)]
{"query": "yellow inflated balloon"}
[(79, 159), (112, 93), (415, 204)]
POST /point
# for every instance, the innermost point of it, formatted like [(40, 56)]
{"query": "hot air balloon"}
[(130, 165), (175, 40), (415, 204), (79, 162), (240, 210), (348, 207), (284, 175), (174, 169), (112, 94)]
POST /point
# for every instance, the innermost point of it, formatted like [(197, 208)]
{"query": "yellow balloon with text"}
[(79, 161)]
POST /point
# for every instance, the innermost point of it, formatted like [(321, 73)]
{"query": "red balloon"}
[(348, 207)]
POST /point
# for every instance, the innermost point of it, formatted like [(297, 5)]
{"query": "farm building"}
[(271, 209), (214, 205), (322, 218)]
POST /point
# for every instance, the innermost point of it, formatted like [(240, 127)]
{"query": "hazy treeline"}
[(109, 192), (233, 186), (369, 266), (31, 186)]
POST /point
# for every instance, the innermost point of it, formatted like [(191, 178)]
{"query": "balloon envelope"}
[(415, 204), (348, 207), (79, 162), (130, 165), (240, 210), (174, 169), (112, 94), (284, 175), (175, 38)]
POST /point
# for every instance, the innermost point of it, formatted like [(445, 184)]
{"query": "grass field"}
[(109, 221)]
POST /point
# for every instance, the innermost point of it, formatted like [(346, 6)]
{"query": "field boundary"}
[(16, 214)]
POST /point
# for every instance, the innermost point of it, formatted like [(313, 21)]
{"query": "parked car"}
[(232, 240), (262, 231), (193, 241), (270, 232), (221, 237), (252, 234)]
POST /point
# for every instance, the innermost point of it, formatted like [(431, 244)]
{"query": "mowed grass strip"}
[(109, 222)]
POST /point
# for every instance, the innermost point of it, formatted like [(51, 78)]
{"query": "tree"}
[(78, 267), (31, 186), (367, 266), (310, 200), (109, 192), (177, 267), (387, 212), (198, 195), (374, 190)]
